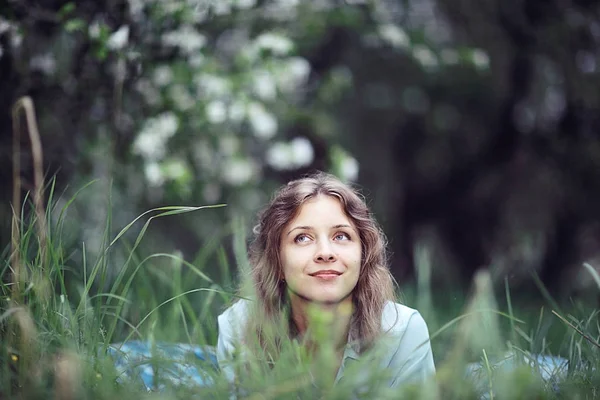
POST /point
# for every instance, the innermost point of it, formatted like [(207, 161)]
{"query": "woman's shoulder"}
[(398, 319), (235, 315), (238, 309)]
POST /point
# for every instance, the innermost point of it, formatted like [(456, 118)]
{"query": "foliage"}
[(201, 101)]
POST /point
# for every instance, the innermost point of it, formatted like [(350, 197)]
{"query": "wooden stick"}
[(26, 104)]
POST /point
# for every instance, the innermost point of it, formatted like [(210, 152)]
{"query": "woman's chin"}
[(322, 297), (329, 300)]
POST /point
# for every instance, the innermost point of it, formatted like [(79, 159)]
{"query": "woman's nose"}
[(324, 252)]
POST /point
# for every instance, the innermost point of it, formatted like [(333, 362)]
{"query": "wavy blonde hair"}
[(375, 285)]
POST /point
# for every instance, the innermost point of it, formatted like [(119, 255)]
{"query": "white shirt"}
[(404, 349)]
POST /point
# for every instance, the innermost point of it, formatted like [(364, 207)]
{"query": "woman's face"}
[(321, 253)]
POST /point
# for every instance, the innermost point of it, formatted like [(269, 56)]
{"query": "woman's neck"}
[(323, 321)]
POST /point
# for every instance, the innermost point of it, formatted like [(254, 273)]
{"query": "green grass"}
[(58, 318)]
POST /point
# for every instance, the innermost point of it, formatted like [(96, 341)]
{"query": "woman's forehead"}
[(321, 209)]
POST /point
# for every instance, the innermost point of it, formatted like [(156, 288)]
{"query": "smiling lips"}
[(326, 274)]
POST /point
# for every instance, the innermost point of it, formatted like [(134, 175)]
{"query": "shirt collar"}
[(351, 351), (353, 346)]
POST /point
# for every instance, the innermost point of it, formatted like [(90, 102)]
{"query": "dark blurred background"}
[(472, 126)]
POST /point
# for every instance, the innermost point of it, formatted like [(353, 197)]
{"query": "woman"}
[(317, 247)]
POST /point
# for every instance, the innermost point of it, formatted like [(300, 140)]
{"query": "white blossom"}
[(151, 141), (163, 75), (278, 44), (238, 172), (425, 56), (149, 92), (181, 97), (281, 10), (221, 7), (118, 40), (263, 123), (264, 85), (148, 146), (302, 151), (216, 112), (212, 85), (278, 156), (298, 67), (237, 111), (286, 156), (153, 174), (586, 61), (349, 169), (394, 35), (166, 124), (245, 4), (293, 74), (554, 102), (200, 10), (480, 59), (45, 63), (94, 30), (5, 25), (196, 60), (172, 7), (188, 39), (16, 39), (249, 53), (136, 7)]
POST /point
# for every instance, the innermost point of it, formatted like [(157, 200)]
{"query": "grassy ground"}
[(59, 313)]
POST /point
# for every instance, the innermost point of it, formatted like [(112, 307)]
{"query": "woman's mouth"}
[(326, 274)]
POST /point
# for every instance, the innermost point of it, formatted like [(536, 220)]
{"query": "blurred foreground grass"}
[(59, 315)]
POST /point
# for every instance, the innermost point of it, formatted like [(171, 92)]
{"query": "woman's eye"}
[(301, 238), (342, 236)]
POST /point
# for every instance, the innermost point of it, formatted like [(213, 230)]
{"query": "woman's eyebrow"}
[(308, 228), (341, 226)]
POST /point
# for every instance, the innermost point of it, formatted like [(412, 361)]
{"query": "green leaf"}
[(74, 25), (66, 10)]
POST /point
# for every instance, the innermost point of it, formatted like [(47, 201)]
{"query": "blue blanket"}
[(152, 364), (176, 363)]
